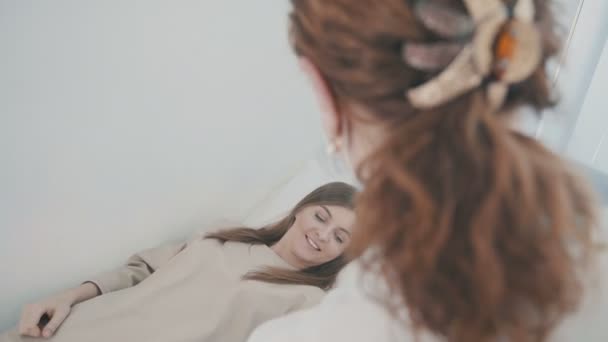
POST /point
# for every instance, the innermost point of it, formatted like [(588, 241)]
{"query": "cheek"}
[(301, 223), (334, 251), (298, 226)]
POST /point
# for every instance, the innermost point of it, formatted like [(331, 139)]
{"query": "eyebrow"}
[(328, 212)]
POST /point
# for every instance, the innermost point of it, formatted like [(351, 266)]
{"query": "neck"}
[(285, 253)]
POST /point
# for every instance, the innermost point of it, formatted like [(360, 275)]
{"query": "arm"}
[(137, 268), (57, 307)]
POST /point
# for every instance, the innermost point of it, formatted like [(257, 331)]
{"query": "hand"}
[(57, 308)]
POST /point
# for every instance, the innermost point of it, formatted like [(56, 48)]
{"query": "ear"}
[(330, 116)]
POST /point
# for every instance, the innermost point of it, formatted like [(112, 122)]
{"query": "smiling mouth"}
[(312, 243)]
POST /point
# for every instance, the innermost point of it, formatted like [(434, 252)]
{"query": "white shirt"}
[(348, 313)]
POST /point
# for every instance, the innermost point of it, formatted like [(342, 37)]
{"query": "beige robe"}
[(184, 292)]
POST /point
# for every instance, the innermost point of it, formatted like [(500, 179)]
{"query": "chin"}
[(306, 258)]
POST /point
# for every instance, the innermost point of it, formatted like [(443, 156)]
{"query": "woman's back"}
[(481, 232), (354, 312)]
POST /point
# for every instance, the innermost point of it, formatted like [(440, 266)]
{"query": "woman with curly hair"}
[(467, 230)]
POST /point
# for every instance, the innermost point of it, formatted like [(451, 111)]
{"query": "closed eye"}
[(339, 238), (319, 218)]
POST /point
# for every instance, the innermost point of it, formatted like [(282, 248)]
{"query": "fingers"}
[(58, 316), (28, 324)]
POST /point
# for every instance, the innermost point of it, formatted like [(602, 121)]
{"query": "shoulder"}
[(590, 318), (345, 313), (359, 300), (312, 294), (203, 241), (299, 296), (201, 244)]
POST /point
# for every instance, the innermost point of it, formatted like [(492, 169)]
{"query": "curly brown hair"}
[(480, 230)]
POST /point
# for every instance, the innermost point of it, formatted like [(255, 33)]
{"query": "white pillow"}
[(311, 175)]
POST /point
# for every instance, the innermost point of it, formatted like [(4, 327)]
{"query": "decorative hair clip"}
[(509, 48)]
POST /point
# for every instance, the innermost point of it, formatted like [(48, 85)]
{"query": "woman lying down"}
[(213, 288)]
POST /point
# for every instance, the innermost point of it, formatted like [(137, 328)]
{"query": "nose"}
[(323, 233)]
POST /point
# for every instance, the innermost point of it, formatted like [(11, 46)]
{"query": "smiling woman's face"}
[(319, 234)]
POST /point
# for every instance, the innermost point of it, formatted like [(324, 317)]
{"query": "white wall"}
[(575, 75), (128, 123), (589, 139)]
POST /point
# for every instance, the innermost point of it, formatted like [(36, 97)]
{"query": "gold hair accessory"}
[(506, 47)]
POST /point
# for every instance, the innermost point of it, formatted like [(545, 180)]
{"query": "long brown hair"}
[(480, 230), (322, 276)]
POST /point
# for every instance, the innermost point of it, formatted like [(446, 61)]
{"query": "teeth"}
[(312, 243)]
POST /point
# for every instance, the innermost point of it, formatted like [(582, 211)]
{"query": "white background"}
[(128, 123)]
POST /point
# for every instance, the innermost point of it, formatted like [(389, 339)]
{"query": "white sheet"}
[(313, 173)]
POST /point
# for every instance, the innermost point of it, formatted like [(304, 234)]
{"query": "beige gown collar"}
[(264, 255)]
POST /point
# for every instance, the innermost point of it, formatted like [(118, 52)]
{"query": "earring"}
[(333, 147)]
